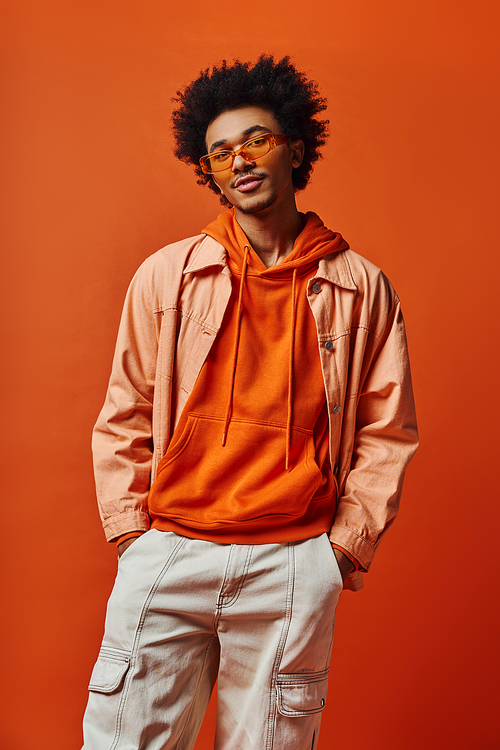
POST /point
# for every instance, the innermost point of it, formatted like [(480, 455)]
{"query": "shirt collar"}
[(335, 268), (208, 253)]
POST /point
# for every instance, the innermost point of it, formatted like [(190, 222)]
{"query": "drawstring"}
[(239, 312), (235, 347), (290, 377)]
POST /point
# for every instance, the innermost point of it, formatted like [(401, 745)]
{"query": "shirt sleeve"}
[(385, 439), (122, 441)]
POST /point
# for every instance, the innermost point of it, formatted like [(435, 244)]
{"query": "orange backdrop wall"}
[(90, 188)]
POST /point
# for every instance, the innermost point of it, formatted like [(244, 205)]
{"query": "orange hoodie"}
[(248, 461)]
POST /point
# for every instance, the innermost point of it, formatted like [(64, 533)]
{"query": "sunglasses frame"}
[(274, 140)]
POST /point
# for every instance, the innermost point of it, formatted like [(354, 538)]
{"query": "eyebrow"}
[(248, 131)]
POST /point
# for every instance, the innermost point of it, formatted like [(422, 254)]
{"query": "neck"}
[(271, 234)]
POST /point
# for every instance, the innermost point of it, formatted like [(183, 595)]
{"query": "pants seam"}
[(220, 596), (195, 693), (281, 646), (135, 644), (246, 567)]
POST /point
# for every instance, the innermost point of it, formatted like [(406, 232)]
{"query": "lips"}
[(246, 183)]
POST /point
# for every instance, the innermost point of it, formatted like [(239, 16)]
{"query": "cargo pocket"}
[(109, 670), (302, 694)]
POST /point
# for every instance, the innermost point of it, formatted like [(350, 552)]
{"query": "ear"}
[(297, 150)]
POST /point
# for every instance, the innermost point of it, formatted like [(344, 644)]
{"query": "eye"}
[(257, 142), (220, 157)]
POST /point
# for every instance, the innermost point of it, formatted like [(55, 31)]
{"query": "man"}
[(251, 451)]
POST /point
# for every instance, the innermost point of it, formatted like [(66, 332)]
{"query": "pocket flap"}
[(109, 670), (302, 694)]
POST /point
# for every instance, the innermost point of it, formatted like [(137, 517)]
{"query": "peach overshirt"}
[(172, 313)]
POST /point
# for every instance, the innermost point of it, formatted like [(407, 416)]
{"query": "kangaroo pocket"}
[(211, 486)]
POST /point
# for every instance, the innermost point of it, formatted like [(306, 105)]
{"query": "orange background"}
[(410, 178)]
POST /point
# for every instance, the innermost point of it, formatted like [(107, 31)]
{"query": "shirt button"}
[(322, 702), (316, 288), (329, 345), (336, 409)]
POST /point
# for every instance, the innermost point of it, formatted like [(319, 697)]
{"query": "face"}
[(253, 187)]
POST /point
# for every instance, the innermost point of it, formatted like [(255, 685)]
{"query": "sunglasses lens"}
[(256, 148), (218, 162)]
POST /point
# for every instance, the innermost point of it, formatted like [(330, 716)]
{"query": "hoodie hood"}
[(312, 243)]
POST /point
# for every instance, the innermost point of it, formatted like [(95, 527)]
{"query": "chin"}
[(255, 207)]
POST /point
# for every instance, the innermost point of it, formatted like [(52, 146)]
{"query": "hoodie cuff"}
[(355, 562), (354, 544), (126, 537)]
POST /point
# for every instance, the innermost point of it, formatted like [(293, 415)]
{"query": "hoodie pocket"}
[(213, 485)]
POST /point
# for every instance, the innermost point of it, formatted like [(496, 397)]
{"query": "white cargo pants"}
[(184, 611)]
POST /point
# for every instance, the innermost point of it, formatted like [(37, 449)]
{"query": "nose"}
[(240, 163)]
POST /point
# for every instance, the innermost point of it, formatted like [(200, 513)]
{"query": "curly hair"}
[(292, 98)]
